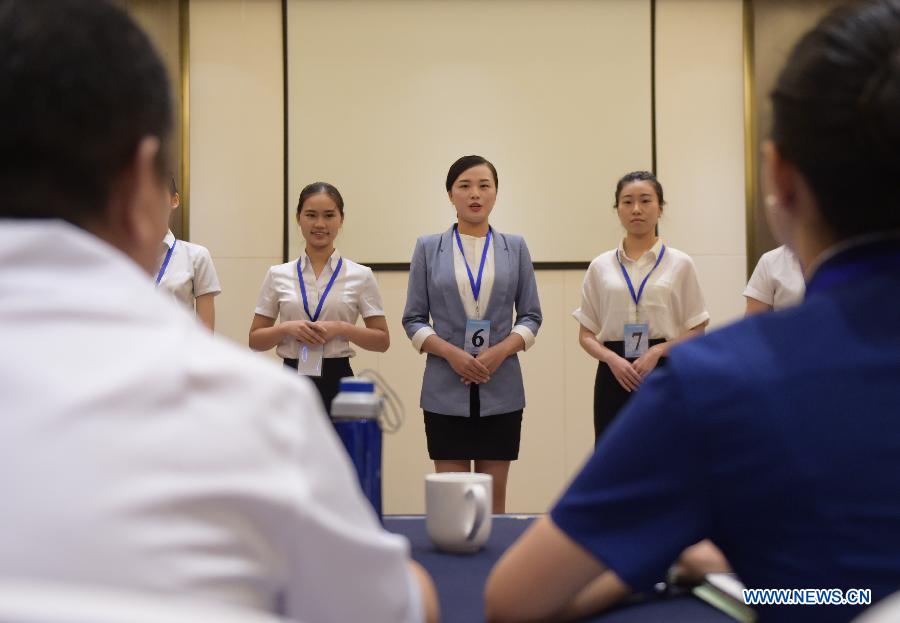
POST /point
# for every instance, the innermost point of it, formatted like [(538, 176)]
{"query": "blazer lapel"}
[(447, 271), (502, 268)]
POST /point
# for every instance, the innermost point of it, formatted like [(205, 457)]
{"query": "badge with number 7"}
[(478, 336), (637, 340)]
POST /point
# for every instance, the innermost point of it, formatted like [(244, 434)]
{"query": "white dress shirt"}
[(138, 450), (777, 279), (671, 303), (190, 273), (475, 310), (354, 293)]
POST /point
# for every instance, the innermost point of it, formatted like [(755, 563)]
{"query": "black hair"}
[(321, 187), (464, 164), (640, 176), (836, 111), (173, 187), (80, 86)]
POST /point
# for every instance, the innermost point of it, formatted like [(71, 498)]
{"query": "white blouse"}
[(475, 310), (190, 272), (777, 279), (354, 293), (671, 302)]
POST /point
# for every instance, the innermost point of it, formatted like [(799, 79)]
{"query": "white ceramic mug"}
[(458, 510)]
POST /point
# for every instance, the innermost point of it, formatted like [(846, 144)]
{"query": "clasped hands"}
[(478, 368), (631, 374), (313, 333)]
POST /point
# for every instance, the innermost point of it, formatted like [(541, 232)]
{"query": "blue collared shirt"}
[(777, 437)]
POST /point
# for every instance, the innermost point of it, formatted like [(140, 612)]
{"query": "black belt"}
[(293, 363), (618, 346)]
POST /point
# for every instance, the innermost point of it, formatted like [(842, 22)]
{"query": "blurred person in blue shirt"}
[(778, 438)]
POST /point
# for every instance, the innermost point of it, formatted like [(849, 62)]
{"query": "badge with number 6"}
[(478, 335), (637, 340)]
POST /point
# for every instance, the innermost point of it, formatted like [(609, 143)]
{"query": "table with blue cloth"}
[(460, 578)]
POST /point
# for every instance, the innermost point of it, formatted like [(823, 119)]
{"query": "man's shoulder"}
[(742, 357), (214, 356)]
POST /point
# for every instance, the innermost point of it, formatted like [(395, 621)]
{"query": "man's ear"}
[(138, 207), (781, 178)]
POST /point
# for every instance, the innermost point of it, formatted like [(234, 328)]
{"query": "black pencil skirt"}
[(477, 437), (609, 396), (333, 370)]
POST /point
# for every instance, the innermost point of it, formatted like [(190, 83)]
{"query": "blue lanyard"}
[(637, 297), (334, 275), (162, 269), (476, 285)]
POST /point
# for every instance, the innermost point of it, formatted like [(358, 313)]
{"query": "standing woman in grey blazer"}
[(469, 280)]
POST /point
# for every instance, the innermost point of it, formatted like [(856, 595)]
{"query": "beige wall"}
[(161, 20), (700, 143), (237, 209), (385, 94), (236, 148)]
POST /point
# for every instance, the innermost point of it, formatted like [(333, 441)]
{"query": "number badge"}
[(309, 360), (478, 336), (637, 340)]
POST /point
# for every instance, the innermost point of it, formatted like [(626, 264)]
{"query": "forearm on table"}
[(428, 592), (601, 594)]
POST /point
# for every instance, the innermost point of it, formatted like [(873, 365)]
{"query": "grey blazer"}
[(432, 291)]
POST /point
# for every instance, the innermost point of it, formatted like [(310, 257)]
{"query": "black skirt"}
[(609, 396), (477, 437), (333, 370)]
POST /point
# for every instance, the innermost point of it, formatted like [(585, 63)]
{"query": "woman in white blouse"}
[(186, 271), (318, 298), (776, 283), (637, 300)]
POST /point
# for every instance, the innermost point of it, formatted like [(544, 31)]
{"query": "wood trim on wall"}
[(184, 53)]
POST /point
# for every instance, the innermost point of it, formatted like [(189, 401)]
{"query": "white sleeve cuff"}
[(759, 295), (697, 320), (420, 336), (214, 290), (586, 321), (526, 334), (262, 311)]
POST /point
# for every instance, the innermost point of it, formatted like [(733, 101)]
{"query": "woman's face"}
[(473, 194), (320, 221), (639, 208)]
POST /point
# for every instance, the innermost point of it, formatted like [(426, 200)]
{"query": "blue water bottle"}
[(355, 412)]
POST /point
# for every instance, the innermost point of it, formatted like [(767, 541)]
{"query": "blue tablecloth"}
[(460, 578)]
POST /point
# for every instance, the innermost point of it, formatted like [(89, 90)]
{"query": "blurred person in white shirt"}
[(136, 449)]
